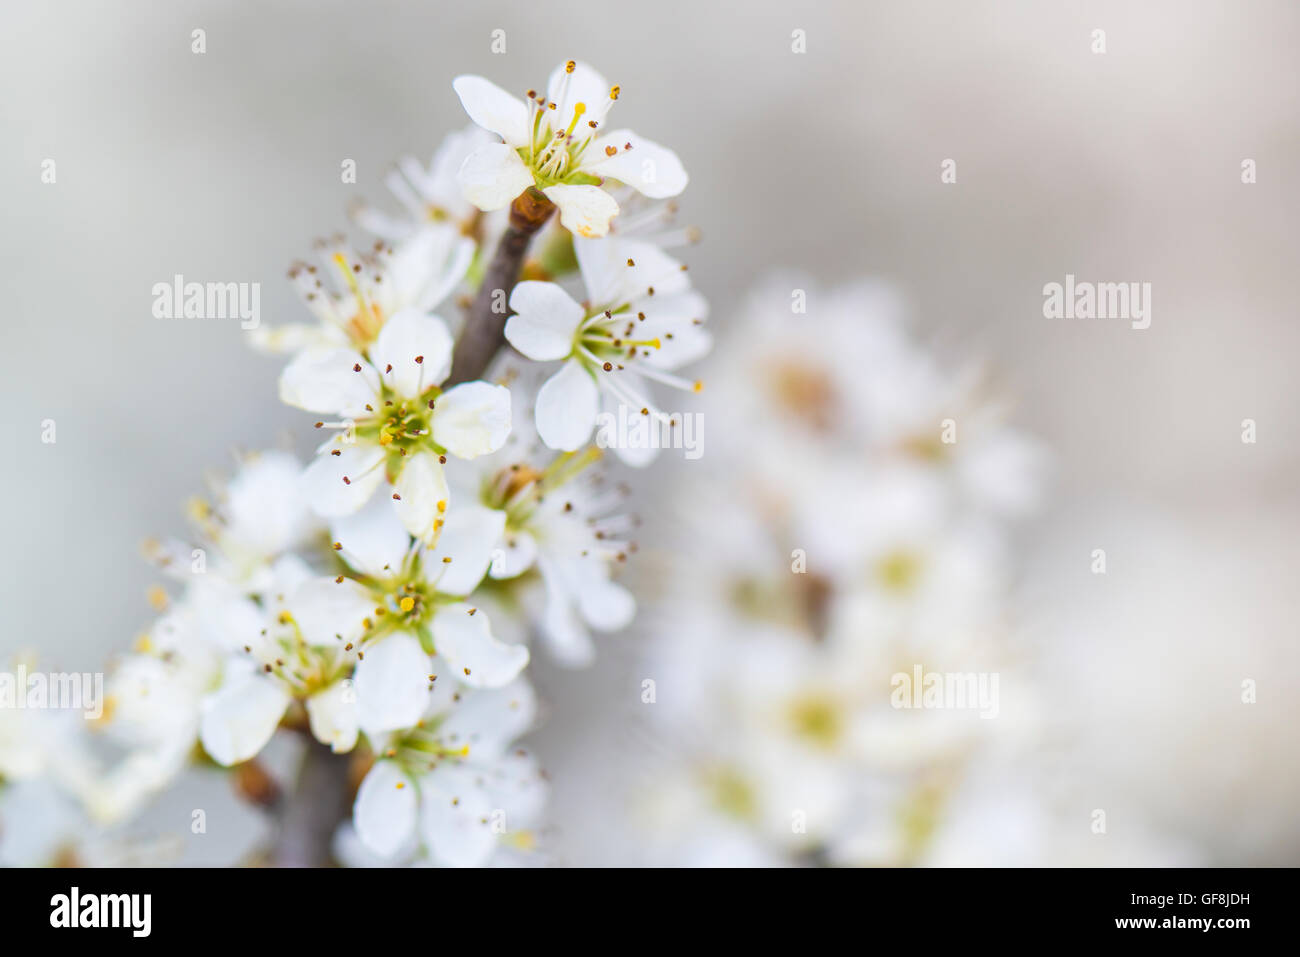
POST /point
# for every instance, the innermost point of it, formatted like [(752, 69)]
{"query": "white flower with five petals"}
[(640, 320), (558, 145), (452, 783), (394, 420)]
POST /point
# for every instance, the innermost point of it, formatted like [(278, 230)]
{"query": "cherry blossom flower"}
[(641, 320), (558, 144), (395, 421), (450, 782), (352, 295), (563, 522)]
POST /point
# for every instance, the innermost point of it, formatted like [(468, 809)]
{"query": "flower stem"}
[(485, 328)]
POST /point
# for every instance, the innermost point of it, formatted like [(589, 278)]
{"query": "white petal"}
[(488, 720), (332, 713), (545, 319), (386, 809), (328, 494), (227, 617), (584, 85), (647, 167), (328, 381), (637, 447), (330, 612), (477, 659), (606, 605), (472, 419), (470, 536), (611, 281), (240, 717), (584, 210), (517, 787), (455, 817), (672, 320), (426, 266), (422, 488), (405, 338), (265, 508), (517, 554), (565, 634), (566, 407), (493, 108), (492, 176), (374, 540), (295, 337), (392, 684)]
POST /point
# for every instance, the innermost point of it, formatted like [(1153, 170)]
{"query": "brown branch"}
[(321, 798), (485, 329)]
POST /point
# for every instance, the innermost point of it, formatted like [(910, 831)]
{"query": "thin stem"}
[(485, 329)]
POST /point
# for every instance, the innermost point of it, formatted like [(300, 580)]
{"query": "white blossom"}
[(559, 144)]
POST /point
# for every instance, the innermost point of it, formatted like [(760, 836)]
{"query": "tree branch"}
[(311, 812), (485, 329)]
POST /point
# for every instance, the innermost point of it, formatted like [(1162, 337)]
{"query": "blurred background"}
[(1122, 166)]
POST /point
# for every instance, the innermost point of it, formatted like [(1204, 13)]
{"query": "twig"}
[(320, 799), (485, 329)]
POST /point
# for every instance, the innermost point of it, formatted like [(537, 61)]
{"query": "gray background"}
[(1124, 166)]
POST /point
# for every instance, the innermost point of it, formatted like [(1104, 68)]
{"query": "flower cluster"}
[(789, 737), (382, 599)]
